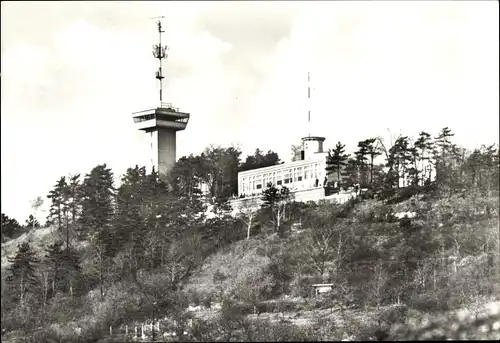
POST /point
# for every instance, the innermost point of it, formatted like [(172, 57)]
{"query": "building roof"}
[(313, 138), (320, 159), (323, 285)]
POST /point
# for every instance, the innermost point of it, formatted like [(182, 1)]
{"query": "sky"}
[(72, 74)]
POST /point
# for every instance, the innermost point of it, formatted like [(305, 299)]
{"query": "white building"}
[(307, 174), (305, 178)]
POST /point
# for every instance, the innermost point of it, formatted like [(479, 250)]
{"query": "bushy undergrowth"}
[(440, 260), (239, 273)]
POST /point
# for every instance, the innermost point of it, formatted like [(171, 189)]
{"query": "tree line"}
[(406, 158), (108, 233)]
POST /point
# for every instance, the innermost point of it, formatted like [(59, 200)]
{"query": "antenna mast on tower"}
[(309, 102), (160, 52)]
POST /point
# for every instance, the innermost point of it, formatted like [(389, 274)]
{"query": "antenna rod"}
[(159, 52), (309, 101)]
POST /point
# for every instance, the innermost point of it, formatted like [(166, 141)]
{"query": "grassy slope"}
[(38, 238), (238, 262)]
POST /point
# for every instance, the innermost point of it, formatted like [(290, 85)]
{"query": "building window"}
[(279, 182), (278, 176), (287, 180), (259, 186), (258, 179), (300, 174)]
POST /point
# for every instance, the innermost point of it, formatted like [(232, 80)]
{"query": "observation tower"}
[(161, 123)]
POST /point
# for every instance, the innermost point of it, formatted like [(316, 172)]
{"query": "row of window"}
[(278, 173), (291, 175)]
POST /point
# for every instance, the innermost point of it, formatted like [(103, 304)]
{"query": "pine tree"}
[(445, 156), (129, 224), (96, 217), (21, 274), (350, 174), (9, 227), (128, 202), (71, 267), (372, 150), (53, 259), (64, 267), (97, 202), (425, 146), (73, 205), (186, 177), (57, 196), (399, 161), (413, 171), (361, 158), (336, 160)]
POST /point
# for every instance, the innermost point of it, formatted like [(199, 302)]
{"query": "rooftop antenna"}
[(160, 52), (309, 102)]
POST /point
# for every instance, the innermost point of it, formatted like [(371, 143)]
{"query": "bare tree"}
[(277, 199), (379, 280), (385, 149), (43, 276), (35, 205), (247, 213), (296, 151), (323, 241), (179, 259)]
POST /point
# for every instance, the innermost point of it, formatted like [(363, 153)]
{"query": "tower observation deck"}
[(161, 123)]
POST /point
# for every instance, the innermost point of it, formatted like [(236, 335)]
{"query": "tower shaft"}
[(163, 146)]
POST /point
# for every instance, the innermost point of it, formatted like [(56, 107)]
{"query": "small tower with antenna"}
[(161, 123), (312, 146)]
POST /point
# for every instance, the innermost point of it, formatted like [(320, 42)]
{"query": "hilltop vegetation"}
[(123, 255)]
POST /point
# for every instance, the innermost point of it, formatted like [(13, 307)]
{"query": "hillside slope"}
[(39, 238)]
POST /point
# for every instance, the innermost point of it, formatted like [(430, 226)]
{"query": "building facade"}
[(298, 175), (306, 174)]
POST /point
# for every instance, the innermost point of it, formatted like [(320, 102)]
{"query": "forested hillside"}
[(412, 258)]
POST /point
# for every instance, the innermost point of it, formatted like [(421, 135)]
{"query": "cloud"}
[(70, 100), (72, 77)]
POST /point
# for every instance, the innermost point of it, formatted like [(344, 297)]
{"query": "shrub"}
[(281, 305), (394, 314), (404, 194), (301, 286), (432, 302)]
